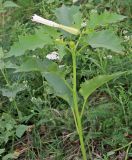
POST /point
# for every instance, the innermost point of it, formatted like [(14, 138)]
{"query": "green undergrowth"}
[(37, 124)]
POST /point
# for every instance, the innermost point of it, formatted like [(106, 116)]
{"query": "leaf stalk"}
[(76, 110)]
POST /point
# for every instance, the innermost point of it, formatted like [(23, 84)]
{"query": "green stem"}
[(75, 120), (124, 112), (6, 80), (118, 149), (18, 111), (126, 157), (82, 48), (82, 111), (77, 115)]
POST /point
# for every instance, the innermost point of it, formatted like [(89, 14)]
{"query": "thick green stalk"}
[(77, 115)]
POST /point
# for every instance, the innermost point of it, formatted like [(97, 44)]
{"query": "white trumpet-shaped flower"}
[(38, 19), (41, 20)]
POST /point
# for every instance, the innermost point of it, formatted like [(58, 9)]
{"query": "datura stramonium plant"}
[(104, 39), (41, 20), (75, 110)]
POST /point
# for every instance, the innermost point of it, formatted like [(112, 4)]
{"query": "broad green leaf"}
[(7, 64), (6, 117), (61, 51), (69, 16), (61, 47), (2, 151), (9, 156), (59, 85), (20, 130), (42, 36), (105, 39), (9, 4), (89, 86), (103, 19), (77, 18), (36, 64), (11, 91)]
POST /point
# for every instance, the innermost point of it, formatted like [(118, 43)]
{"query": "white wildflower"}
[(32, 111), (25, 84), (33, 99), (93, 11), (126, 38), (36, 101), (61, 66), (34, 56), (38, 19), (108, 57), (84, 24), (125, 32), (11, 99), (53, 56)]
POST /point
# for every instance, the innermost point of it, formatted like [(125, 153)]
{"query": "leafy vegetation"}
[(56, 102)]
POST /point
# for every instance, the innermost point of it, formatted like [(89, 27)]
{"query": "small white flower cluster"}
[(125, 32), (33, 99), (126, 36), (61, 66), (93, 11), (108, 57), (25, 84), (53, 56), (37, 101), (35, 56), (84, 24), (11, 99)]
